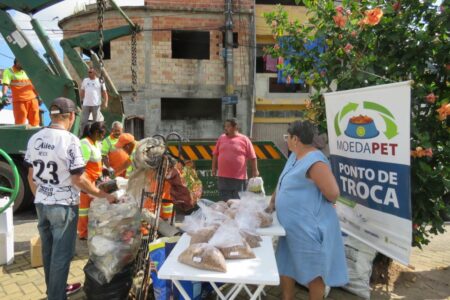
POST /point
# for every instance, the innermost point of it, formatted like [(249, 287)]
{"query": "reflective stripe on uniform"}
[(83, 212)]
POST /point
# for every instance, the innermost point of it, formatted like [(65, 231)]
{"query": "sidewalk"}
[(429, 280)]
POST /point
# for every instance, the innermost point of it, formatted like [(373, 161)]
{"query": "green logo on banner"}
[(363, 126)]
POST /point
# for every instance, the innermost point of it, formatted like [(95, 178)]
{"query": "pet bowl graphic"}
[(361, 127)]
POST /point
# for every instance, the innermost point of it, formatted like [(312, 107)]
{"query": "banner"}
[(369, 138)]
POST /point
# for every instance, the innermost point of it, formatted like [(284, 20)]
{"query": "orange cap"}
[(124, 139)]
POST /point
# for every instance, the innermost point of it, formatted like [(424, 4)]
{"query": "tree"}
[(369, 42)]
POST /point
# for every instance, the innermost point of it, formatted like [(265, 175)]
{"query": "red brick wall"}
[(166, 70), (119, 65), (199, 4)]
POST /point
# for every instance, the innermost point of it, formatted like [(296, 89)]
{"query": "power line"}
[(6, 56)]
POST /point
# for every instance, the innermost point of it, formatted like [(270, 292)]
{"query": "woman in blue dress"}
[(312, 252)]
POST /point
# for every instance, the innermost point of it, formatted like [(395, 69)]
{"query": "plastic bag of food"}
[(248, 223), (253, 206), (203, 256), (210, 214), (114, 235), (252, 239), (234, 203), (197, 227), (256, 185), (230, 242)]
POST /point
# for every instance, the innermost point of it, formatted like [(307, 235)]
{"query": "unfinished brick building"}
[(181, 70)]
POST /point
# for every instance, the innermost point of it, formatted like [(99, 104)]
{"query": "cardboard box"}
[(36, 252)]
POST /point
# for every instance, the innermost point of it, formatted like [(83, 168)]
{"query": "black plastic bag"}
[(97, 288)]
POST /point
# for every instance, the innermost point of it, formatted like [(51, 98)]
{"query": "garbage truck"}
[(52, 79)]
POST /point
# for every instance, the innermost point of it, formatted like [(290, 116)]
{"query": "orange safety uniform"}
[(166, 212), (117, 158), (92, 155), (25, 104)]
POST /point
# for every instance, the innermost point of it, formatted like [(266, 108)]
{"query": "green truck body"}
[(51, 80)]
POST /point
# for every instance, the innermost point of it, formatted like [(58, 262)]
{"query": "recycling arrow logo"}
[(363, 126)]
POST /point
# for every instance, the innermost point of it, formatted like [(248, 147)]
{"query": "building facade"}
[(181, 68), (276, 104)]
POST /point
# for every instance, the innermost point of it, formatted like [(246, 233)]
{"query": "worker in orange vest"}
[(91, 149), (120, 158), (167, 200), (25, 99)]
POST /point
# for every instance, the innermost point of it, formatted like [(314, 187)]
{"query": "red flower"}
[(420, 152), (373, 16), (339, 10), (348, 48), (340, 20), (444, 111), (431, 98)]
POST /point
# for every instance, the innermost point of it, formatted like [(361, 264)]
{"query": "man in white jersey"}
[(56, 175), (91, 93)]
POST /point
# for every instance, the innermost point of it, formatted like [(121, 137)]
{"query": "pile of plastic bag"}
[(224, 230), (114, 235)]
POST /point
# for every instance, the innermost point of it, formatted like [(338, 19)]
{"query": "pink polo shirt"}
[(232, 154)]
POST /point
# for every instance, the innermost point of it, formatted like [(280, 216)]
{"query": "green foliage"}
[(372, 42)]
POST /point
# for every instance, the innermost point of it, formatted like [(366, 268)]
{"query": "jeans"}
[(57, 226), (86, 111), (229, 188)]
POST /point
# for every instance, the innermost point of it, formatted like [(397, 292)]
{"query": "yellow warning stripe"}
[(174, 151), (190, 152), (272, 151), (259, 153), (203, 152)]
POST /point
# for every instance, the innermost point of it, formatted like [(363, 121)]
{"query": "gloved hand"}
[(4, 101), (39, 99)]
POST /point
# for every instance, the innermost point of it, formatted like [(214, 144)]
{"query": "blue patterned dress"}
[(313, 244)]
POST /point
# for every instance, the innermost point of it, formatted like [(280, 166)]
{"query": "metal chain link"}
[(134, 65), (101, 6)]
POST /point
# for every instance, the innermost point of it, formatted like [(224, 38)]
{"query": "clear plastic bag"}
[(203, 256), (256, 185), (230, 242), (114, 235), (252, 206)]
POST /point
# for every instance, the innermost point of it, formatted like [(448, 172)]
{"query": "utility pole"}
[(230, 99)]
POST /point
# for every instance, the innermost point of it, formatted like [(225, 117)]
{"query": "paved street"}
[(429, 280)]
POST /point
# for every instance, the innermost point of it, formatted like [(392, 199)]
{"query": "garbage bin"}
[(6, 234)]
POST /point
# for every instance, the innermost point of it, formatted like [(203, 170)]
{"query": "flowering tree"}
[(370, 42)]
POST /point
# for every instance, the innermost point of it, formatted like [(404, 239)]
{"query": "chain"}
[(134, 64), (100, 14)]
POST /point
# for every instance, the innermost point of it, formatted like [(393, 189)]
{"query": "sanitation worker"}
[(25, 99)]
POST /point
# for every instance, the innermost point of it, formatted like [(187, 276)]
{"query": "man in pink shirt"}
[(230, 156)]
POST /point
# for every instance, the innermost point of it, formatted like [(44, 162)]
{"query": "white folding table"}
[(259, 271)]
